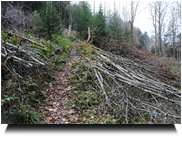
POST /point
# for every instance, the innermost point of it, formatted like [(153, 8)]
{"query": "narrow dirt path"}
[(57, 97)]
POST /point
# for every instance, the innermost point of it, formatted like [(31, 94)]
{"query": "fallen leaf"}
[(64, 119), (69, 88), (83, 118), (49, 118), (54, 102), (51, 109), (44, 112), (71, 111)]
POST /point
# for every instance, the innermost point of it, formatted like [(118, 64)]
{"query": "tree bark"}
[(155, 32)]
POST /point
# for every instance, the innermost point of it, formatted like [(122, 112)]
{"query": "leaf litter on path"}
[(59, 96)]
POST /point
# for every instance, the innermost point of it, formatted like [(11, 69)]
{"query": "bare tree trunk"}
[(173, 31), (161, 11), (160, 48), (132, 17), (155, 32), (131, 22), (69, 13)]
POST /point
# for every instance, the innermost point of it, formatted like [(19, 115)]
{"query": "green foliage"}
[(153, 49), (81, 17), (28, 6), (114, 27), (86, 101), (48, 21), (4, 36), (127, 33), (174, 67), (99, 22), (8, 99), (84, 48), (18, 109)]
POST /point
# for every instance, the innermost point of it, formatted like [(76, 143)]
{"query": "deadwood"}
[(131, 87), (23, 55)]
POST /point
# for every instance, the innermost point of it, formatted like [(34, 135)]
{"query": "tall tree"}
[(100, 24), (48, 21), (81, 16), (133, 7), (174, 29), (114, 27), (161, 11), (153, 10)]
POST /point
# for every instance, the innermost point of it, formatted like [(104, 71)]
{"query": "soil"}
[(57, 97)]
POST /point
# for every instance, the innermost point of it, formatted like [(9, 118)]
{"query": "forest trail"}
[(57, 97)]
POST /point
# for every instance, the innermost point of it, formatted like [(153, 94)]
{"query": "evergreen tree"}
[(114, 27), (100, 24), (31, 6), (142, 40), (82, 16), (127, 34), (48, 21), (153, 49)]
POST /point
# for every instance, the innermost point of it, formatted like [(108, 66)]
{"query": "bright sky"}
[(143, 19)]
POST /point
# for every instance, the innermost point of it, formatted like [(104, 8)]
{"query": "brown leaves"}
[(58, 97)]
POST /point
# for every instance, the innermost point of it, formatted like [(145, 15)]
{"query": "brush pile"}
[(133, 91)]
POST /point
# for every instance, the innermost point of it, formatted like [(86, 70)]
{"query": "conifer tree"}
[(114, 27), (82, 15), (100, 23), (48, 20)]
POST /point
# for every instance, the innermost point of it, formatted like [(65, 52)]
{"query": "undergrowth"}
[(21, 99), (86, 99)]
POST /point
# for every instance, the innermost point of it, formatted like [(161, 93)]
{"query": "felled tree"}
[(48, 20)]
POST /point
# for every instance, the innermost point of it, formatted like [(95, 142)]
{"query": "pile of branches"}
[(157, 65), (16, 57), (132, 92), (15, 19)]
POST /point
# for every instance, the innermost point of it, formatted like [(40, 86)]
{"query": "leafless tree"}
[(133, 7), (153, 11), (125, 13), (161, 12)]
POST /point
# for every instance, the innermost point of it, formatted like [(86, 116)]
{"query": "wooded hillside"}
[(65, 63)]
